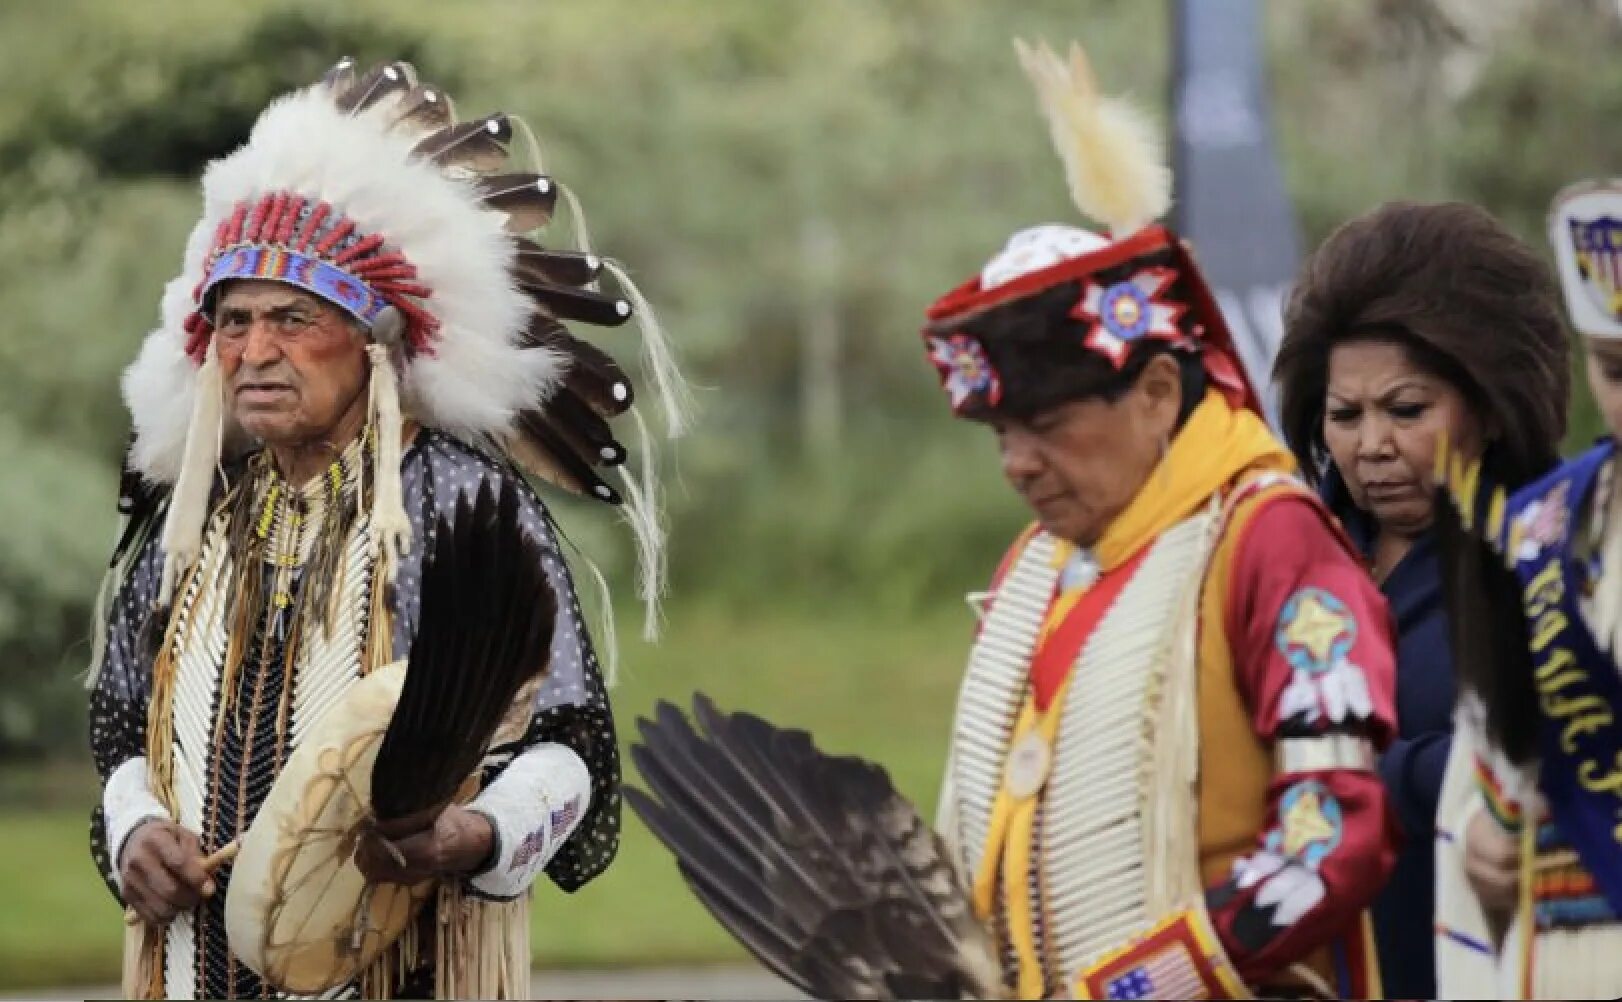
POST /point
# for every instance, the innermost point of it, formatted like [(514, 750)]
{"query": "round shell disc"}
[(1028, 764)]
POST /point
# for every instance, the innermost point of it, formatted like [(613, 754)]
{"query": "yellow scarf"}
[(1214, 447), (1217, 443)]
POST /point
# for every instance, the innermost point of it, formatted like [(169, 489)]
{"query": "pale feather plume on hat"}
[(1113, 153)]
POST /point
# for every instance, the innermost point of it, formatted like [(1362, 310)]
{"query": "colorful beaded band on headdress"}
[(288, 238)]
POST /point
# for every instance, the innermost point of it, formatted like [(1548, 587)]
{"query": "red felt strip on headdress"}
[(233, 230), (312, 226), (257, 220), (359, 248), (970, 298), (284, 232), (332, 239)]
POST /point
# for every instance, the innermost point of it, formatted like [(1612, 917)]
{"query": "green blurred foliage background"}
[(790, 183)]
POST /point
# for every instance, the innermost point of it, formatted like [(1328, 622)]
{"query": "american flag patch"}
[(1175, 959), (566, 815), (535, 842), (1169, 975), (533, 845)]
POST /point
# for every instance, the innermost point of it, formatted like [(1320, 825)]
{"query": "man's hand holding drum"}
[(409, 851)]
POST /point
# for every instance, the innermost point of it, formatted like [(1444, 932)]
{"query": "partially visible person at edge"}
[(1529, 860), (1410, 325), (1161, 781)]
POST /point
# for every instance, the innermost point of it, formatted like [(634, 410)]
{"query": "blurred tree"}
[(201, 106), (1516, 141), (1498, 102)]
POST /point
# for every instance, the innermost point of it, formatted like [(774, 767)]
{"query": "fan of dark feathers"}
[(485, 629), (813, 862)]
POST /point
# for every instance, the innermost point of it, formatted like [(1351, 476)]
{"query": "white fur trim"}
[(127, 801), (390, 526), (534, 806), (477, 377), (158, 389)]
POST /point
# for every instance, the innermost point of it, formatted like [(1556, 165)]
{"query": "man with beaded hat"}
[(1162, 769), (361, 340), (1528, 853)]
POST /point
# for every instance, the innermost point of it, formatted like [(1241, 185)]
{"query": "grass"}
[(882, 688), (58, 925)]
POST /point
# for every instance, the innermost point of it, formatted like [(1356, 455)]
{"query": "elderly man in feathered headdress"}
[(1162, 781), (360, 358)]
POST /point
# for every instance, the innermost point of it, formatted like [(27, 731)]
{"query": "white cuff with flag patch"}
[(533, 806)]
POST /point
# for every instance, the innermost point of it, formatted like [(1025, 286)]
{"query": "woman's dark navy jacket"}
[(1413, 765)]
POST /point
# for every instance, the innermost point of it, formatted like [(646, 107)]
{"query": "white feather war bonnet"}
[(366, 191)]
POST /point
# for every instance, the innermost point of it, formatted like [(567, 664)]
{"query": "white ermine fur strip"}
[(183, 528), (390, 526)]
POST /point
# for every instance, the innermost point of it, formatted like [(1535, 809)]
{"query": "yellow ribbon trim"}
[(1013, 825), (1523, 907)]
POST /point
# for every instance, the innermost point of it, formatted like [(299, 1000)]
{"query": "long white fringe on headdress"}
[(644, 511), (675, 396), (183, 529), (645, 515), (390, 526)]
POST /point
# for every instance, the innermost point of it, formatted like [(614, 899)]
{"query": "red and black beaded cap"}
[(1061, 307), (1037, 339)]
